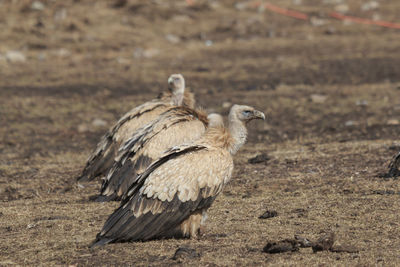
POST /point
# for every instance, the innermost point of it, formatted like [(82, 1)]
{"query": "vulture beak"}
[(258, 115)]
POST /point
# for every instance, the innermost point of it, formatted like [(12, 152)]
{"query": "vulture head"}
[(215, 120), (176, 85), (239, 116), (245, 113)]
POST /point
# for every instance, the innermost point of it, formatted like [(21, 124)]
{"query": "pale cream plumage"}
[(177, 125), (101, 160), (172, 196)]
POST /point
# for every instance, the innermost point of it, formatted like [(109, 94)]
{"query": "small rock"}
[(259, 159), (62, 52), (317, 22), (317, 98), (82, 128), (342, 8), (393, 122), (241, 6), (172, 38), (297, 2), (226, 104), (99, 123), (185, 253), (37, 5), (324, 242), (269, 214), (362, 103), (369, 6), (15, 56), (281, 246), (350, 123), (151, 52), (31, 225), (208, 43)]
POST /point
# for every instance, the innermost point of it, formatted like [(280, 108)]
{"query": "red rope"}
[(365, 21), (286, 12)]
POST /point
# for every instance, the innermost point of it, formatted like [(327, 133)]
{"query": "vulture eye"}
[(176, 79), (247, 112)]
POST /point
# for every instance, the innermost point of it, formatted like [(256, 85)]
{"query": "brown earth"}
[(331, 94)]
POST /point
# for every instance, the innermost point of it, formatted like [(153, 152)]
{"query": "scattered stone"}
[(324, 242), (226, 104), (260, 158), (317, 98), (99, 123), (350, 123), (303, 242), (371, 5), (62, 52), (15, 56), (37, 5), (342, 8), (83, 128), (393, 122), (208, 43), (151, 52), (172, 38), (317, 22), (269, 214), (297, 2), (241, 6), (281, 246), (185, 253), (362, 103)]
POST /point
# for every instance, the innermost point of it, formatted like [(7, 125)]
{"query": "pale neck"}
[(177, 99), (238, 133)]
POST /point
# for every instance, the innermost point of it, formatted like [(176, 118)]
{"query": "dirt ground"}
[(330, 89)]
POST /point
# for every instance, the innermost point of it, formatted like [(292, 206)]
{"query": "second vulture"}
[(102, 159)]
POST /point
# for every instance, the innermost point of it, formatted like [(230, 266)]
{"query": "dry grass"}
[(322, 175)]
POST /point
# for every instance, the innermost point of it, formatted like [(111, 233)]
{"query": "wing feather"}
[(175, 126), (102, 159)]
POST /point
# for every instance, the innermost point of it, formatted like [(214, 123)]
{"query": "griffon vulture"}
[(171, 197), (176, 126), (102, 159)]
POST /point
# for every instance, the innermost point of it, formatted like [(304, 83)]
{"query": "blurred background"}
[(329, 85)]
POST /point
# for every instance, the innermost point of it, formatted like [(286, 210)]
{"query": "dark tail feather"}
[(100, 242), (102, 198), (84, 178)]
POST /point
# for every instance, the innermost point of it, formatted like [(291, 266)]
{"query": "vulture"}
[(176, 126), (394, 167), (102, 159), (171, 197)]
